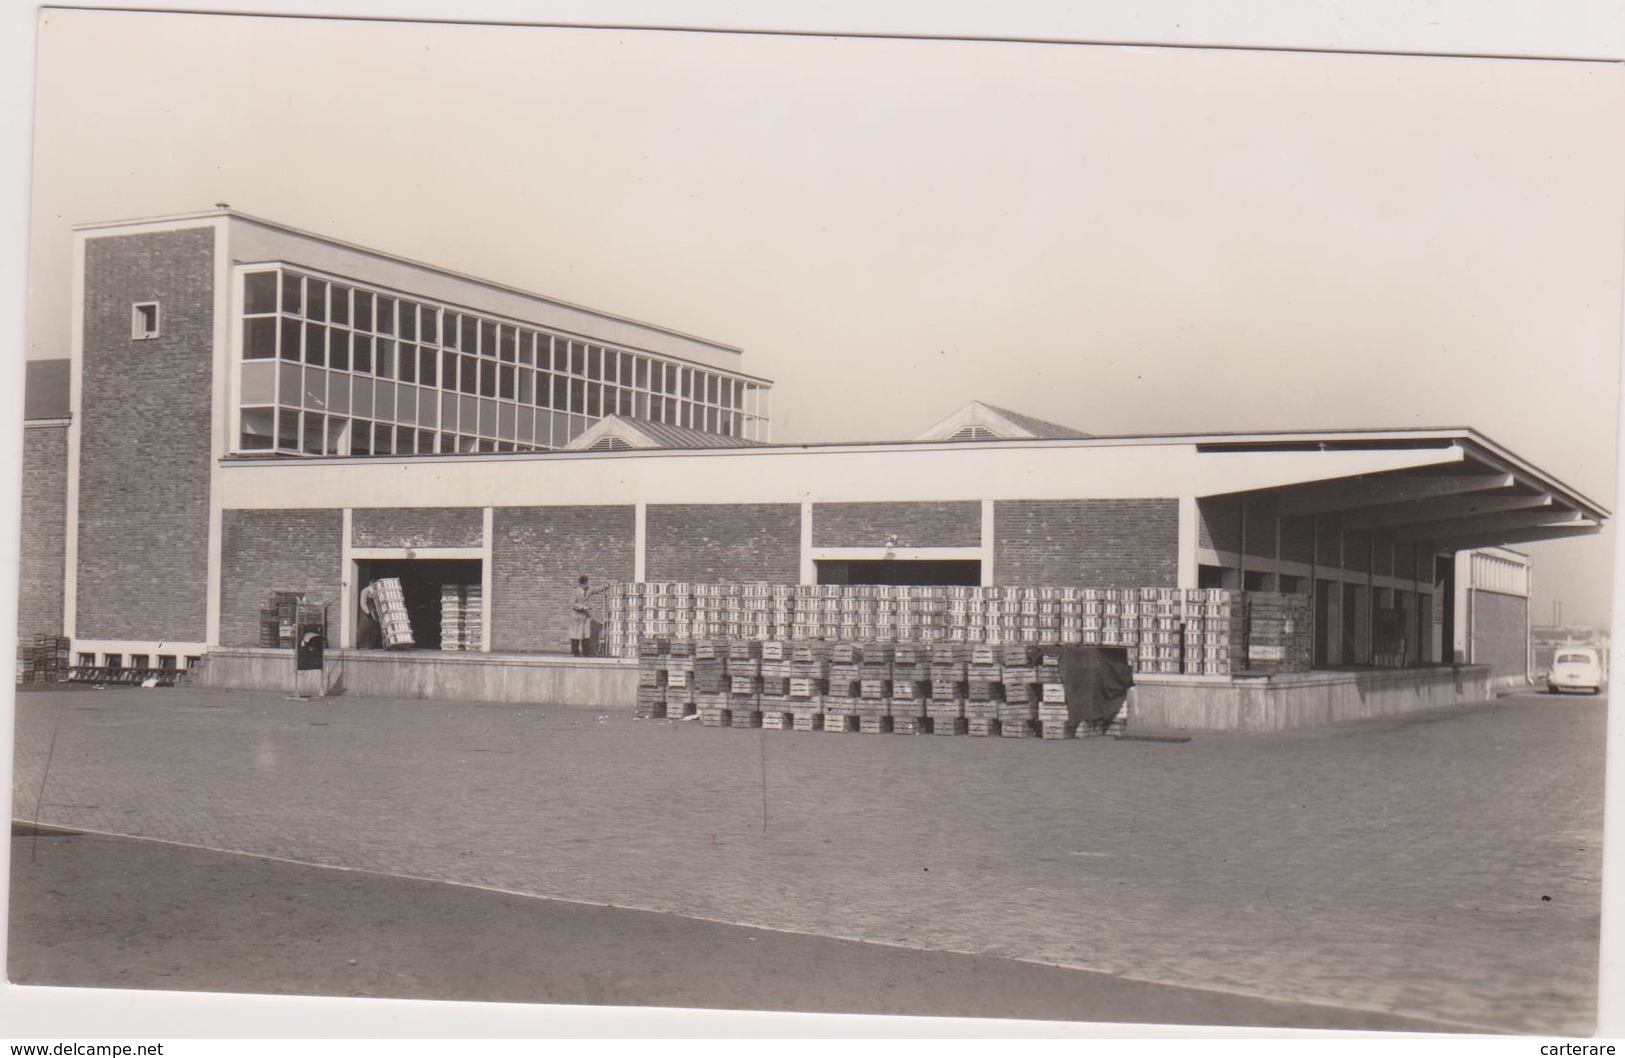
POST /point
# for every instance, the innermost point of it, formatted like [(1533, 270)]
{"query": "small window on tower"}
[(144, 320)]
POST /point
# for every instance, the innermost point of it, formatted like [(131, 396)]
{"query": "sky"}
[(1127, 239)]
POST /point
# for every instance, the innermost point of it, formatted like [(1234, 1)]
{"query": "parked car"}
[(1575, 669)]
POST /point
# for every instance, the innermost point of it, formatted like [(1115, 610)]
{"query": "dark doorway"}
[(1351, 621), (421, 582), (925, 572)]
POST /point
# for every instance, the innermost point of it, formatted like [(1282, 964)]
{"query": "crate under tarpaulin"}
[(1097, 681)]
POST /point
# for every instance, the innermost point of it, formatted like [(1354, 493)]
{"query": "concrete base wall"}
[(604, 683), (1198, 703)]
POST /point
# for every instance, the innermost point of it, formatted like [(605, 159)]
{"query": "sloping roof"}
[(646, 433), (45, 390), (981, 421), (1039, 427)]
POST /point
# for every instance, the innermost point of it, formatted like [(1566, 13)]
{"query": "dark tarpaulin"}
[(1097, 680)]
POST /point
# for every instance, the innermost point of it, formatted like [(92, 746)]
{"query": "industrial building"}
[(248, 409)]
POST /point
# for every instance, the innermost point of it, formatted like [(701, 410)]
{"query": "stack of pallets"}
[(460, 616), (393, 621)]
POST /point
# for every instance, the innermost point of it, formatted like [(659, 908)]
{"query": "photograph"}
[(467, 469)]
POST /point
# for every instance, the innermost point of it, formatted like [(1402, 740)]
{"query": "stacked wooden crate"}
[(910, 688), (43, 658), (392, 619), (984, 690), (809, 676), (680, 679), (1277, 631), (1018, 712), (744, 664), (461, 616), (875, 659), (775, 668), (948, 687), (651, 700), (841, 693), (1054, 716)]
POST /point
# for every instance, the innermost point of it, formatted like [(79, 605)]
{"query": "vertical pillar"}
[(809, 572), (1190, 537), (988, 542), (640, 541), (347, 588)]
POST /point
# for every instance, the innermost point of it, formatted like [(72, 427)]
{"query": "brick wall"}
[(1500, 633), (536, 555), (1087, 543), (720, 543), (42, 555), (268, 551), (952, 524), (144, 438), (417, 527)]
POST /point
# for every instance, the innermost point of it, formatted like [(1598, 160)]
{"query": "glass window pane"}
[(578, 395), (406, 405), (361, 353), (406, 360), (383, 439), (505, 382), (292, 293), (384, 320), (468, 412), (383, 400), (291, 383), (315, 388), (506, 415), (337, 428), (259, 338), (363, 310), (338, 391), (338, 348), (409, 321), (360, 438), (487, 445), (642, 375), (429, 325), (426, 366), (595, 362), (623, 402), (488, 418), (526, 394), (315, 422), (383, 358), (578, 358), (361, 395), (488, 339), (259, 292), (448, 370), (448, 411), (257, 384), (525, 424), (468, 328), (625, 375), (595, 392), (406, 440), (468, 380), (291, 330), (428, 408), (488, 378), (338, 306), (315, 299), (686, 380), (527, 347), (258, 424), (287, 429), (425, 442), (505, 344), (315, 343)]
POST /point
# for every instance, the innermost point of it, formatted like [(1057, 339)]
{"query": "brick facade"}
[(417, 527), (1087, 543), (950, 524), (536, 555), (145, 438), (717, 543), (269, 551), (1219, 522), (42, 555)]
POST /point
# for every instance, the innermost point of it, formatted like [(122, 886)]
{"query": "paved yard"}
[(1446, 867)]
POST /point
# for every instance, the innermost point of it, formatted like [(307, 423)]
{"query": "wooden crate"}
[(943, 725), (982, 727), (1056, 729), (910, 725)]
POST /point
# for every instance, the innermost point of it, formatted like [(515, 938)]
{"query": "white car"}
[(1575, 669)]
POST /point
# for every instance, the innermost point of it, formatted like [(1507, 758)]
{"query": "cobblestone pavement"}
[(1444, 867)]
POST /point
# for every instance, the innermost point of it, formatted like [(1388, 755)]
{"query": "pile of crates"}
[(460, 621), (42, 658), (868, 687), (1279, 633), (1196, 631)]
